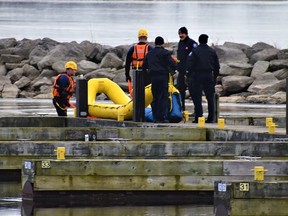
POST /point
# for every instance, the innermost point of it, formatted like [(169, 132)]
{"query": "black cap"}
[(203, 39), (159, 41), (183, 30)]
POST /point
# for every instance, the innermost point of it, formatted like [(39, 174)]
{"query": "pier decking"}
[(128, 162)]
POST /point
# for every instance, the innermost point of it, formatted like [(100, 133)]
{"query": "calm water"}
[(117, 23)]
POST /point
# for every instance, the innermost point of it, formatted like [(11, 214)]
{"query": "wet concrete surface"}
[(34, 107)]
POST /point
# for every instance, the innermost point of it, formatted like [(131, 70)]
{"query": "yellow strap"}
[(65, 108), (137, 66)]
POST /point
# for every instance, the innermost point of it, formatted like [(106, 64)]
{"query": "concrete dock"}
[(131, 160)]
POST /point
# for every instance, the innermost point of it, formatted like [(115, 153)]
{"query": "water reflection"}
[(37, 107)]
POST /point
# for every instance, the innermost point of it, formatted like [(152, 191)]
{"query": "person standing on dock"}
[(63, 88), (158, 62), (135, 57), (203, 68), (185, 46)]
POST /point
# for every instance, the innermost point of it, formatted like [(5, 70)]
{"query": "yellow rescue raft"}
[(123, 105)]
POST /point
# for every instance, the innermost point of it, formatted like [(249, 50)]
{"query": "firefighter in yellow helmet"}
[(134, 58), (63, 88), (136, 55)]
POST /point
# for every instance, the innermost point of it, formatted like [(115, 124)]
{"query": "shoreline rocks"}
[(248, 74)]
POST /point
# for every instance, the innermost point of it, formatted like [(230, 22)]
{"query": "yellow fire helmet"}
[(72, 65), (142, 33)]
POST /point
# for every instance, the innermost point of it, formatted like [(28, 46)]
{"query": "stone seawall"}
[(249, 74)]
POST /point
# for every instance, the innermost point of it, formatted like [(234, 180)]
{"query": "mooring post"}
[(216, 107), (286, 106), (81, 98), (138, 96)]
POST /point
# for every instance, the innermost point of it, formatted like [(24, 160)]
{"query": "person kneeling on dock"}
[(158, 61), (63, 88)]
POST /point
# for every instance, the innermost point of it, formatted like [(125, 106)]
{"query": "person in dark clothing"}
[(203, 68), (185, 46), (159, 61)]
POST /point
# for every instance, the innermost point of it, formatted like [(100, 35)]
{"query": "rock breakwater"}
[(248, 74)]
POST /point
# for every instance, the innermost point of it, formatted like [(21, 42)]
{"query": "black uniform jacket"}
[(159, 62), (184, 48), (203, 59)]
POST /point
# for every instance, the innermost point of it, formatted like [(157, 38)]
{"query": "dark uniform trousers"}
[(198, 82), (160, 105), (181, 86)]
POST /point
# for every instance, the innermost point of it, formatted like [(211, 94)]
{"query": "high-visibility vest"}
[(69, 90), (140, 51)]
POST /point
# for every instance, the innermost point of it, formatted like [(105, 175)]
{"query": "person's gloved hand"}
[(128, 78)]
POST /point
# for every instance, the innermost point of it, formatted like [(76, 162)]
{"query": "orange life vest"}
[(140, 51), (69, 90)]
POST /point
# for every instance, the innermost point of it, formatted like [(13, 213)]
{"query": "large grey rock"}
[(100, 73), (281, 74), (121, 51), (41, 50), (103, 50), (43, 96), (4, 80), (235, 84), (85, 66), (46, 89), (62, 52), (263, 98), (282, 85), (7, 43), (15, 75), (259, 68), (111, 60), (119, 76), (12, 66), (59, 66), (90, 49), (22, 82), (265, 84), (47, 73), (3, 70), (261, 46), (10, 91), (26, 94), (278, 64), (267, 54), (279, 97), (240, 69), (220, 90), (229, 55), (8, 58), (240, 46), (283, 54), (41, 82), (24, 47), (30, 71)]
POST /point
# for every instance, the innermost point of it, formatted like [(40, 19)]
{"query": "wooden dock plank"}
[(121, 167), (242, 167)]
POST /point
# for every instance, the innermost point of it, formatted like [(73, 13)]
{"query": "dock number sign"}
[(244, 186), (222, 187)]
